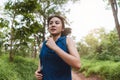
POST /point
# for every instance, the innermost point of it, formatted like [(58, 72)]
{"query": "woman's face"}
[(55, 26)]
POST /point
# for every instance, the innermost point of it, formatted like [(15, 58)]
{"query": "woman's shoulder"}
[(42, 43), (69, 39)]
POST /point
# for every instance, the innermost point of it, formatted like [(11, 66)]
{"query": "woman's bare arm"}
[(73, 59)]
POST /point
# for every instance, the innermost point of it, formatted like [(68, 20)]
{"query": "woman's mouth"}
[(53, 30)]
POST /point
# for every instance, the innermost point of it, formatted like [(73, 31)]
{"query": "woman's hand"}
[(38, 75), (51, 43)]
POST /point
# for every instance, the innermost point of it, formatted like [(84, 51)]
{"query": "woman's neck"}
[(55, 37)]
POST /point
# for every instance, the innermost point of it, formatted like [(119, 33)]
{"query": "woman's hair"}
[(66, 31)]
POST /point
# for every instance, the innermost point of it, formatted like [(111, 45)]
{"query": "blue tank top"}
[(53, 67)]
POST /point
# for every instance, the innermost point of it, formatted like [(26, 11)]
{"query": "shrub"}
[(108, 69), (20, 69)]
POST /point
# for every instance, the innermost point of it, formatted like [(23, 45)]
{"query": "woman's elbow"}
[(77, 66)]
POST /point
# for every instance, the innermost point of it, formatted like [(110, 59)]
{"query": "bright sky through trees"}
[(89, 14), (86, 15)]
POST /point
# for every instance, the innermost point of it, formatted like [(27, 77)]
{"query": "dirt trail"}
[(80, 76)]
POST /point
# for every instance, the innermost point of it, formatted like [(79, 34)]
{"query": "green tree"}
[(90, 44), (114, 5), (23, 24), (28, 21), (110, 47), (100, 45), (49, 7), (3, 35)]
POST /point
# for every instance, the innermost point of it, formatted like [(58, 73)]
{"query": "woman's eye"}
[(50, 23), (57, 22)]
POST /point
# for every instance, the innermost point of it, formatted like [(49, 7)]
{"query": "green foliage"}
[(108, 3), (91, 41), (27, 20), (119, 3), (110, 47), (19, 69), (82, 49), (25, 67), (109, 70), (100, 45), (25, 24), (3, 23), (3, 32), (6, 70)]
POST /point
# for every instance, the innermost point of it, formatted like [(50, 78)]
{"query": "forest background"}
[(23, 27)]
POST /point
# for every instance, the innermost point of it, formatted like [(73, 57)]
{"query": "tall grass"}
[(20, 69), (109, 70), (24, 68)]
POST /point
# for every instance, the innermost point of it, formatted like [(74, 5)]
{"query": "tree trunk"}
[(11, 46), (34, 48), (44, 32), (115, 12), (11, 54)]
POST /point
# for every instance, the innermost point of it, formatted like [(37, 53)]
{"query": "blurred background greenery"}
[(23, 26)]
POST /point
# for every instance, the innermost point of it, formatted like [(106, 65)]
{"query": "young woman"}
[(58, 53)]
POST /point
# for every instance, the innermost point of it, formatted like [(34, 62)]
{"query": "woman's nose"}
[(53, 25)]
